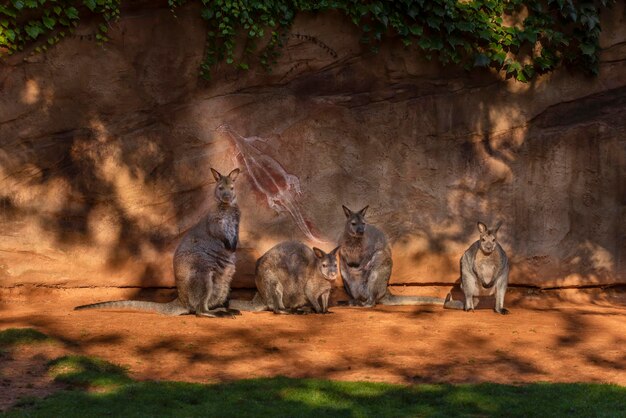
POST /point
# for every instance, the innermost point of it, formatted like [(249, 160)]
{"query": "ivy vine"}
[(521, 38), (43, 23)]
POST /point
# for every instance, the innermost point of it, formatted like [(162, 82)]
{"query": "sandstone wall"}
[(105, 155)]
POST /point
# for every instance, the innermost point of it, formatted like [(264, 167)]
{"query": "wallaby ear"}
[(233, 174), (318, 253), (362, 211), (347, 211), (216, 175), (333, 252), (482, 228), (498, 225)]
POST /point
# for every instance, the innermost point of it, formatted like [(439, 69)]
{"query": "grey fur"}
[(365, 264), (292, 278), (204, 261), (484, 271)]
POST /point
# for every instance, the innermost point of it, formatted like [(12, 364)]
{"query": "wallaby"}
[(204, 261), (365, 264), (291, 278), (484, 271)]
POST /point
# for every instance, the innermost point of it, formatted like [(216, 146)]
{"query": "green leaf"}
[(206, 14), (18, 4), (499, 56), (71, 12), (433, 21), (91, 4), (417, 30), (588, 49), (529, 71), (48, 22), (34, 30), (513, 67)]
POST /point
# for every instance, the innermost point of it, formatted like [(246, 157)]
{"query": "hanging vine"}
[(522, 38)]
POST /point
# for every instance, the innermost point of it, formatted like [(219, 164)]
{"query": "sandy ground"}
[(564, 336)]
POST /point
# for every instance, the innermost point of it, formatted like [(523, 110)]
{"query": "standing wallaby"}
[(204, 261), (291, 277), (365, 264), (484, 271)]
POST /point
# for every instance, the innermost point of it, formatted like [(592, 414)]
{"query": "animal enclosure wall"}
[(105, 155)]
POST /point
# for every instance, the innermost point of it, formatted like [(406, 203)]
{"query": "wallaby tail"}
[(390, 299), (169, 308), (254, 305)]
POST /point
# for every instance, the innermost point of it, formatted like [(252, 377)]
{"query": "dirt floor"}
[(556, 336)]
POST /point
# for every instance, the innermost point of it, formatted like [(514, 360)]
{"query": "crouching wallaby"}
[(292, 278), (204, 261), (484, 271), (365, 264)]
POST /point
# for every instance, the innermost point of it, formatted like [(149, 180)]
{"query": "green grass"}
[(20, 336), (285, 397), (88, 372), (98, 388)]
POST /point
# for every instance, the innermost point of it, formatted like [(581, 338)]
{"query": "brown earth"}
[(564, 336)]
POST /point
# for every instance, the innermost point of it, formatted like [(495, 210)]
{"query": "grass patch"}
[(285, 397), (87, 372), (21, 336)]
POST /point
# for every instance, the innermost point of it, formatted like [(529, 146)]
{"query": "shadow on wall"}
[(555, 178), (97, 189), (107, 194)]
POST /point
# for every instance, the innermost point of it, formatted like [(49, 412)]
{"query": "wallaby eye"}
[(324, 265), (353, 223), (221, 187), (232, 187)]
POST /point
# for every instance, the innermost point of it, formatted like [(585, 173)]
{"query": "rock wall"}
[(105, 155)]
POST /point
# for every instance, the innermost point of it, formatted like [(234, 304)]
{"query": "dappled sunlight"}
[(36, 92), (573, 341), (26, 190), (31, 92), (104, 224), (600, 258), (118, 166)]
